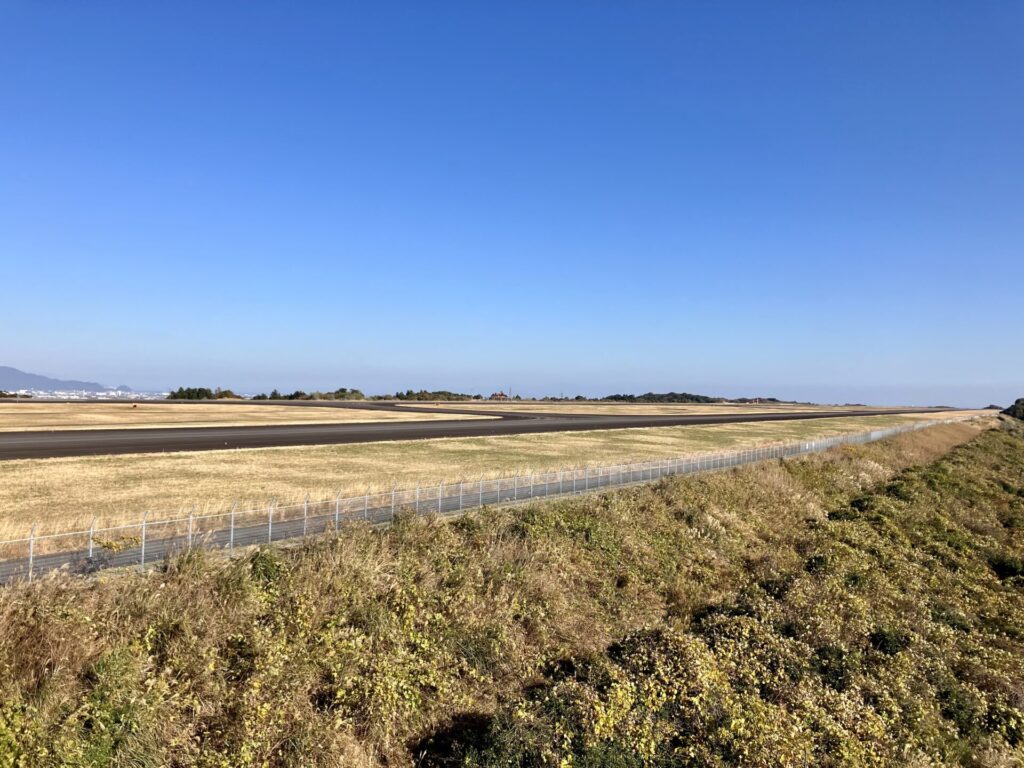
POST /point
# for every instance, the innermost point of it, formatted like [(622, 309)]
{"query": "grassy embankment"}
[(841, 609), (64, 494)]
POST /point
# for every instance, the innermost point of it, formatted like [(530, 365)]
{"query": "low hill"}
[(13, 379), (860, 607)]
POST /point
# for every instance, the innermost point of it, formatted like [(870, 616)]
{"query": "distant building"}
[(498, 396)]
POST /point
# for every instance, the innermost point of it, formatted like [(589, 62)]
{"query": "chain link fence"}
[(149, 541)]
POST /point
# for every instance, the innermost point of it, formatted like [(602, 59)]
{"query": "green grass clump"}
[(899, 640), (862, 607)]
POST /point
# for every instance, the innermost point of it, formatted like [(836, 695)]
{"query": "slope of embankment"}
[(865, 606)]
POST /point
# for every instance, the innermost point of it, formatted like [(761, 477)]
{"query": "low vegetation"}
[(437, 395), (444, 395), (684, 397), (863, 607), (1017, 409), (205, 393), (342, 393), (201, 393)]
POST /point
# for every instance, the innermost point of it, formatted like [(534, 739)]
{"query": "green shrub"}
[(1016, 410)]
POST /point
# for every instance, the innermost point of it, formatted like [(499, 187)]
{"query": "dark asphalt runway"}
[(49, 444)]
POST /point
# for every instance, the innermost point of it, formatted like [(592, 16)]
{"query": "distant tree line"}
[(202, 393), (665, 397), (423, 394), (657, 397), (343, 393), (685, 397), (13, 395)]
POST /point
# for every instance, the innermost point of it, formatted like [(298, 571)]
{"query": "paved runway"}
[(49, 444)]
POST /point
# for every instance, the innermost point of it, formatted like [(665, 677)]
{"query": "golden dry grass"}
[(78, 415), (66, 493)]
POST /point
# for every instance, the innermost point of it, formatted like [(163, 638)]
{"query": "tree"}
[(1017, 409), (192, 393)]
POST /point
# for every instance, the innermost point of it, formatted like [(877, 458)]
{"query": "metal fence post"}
[(337, 509), (191, 517), (231, 535), (392, 502), (366, 505), (461, 483), (92, 532), (270, 523), (142, 546), (31, 551)]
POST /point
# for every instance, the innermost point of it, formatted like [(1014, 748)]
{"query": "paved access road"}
[(49, 444)]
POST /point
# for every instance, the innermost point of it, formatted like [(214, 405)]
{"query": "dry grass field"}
[(77, 415), (65, 493), (635, 409)]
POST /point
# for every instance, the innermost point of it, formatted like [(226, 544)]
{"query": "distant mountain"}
[(12, 379)]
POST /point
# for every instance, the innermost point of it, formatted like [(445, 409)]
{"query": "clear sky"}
[(804, 200)]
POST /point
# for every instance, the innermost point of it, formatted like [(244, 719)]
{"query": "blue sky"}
[(804, 200)]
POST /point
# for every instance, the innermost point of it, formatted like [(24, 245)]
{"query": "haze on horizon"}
[(806, 201)]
